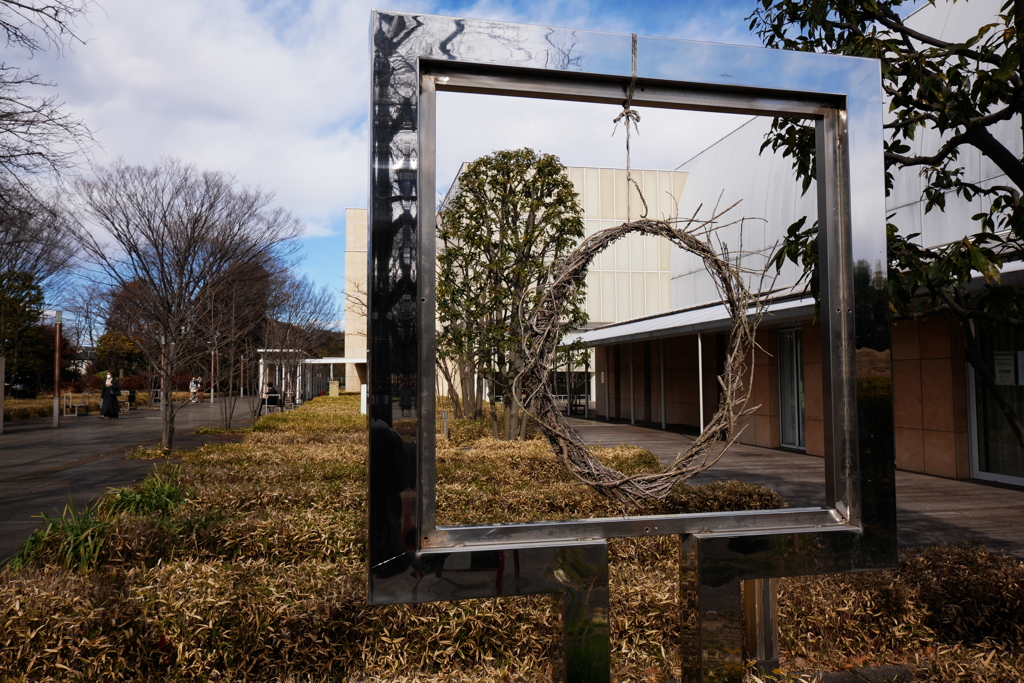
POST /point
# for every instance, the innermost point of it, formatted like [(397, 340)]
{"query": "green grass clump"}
[(158, 494), (79, 539), (72, 541)]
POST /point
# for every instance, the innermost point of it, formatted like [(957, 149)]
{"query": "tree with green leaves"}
[(511, 215), (117, 352), (947, 100)]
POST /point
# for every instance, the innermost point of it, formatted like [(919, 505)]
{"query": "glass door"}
[(999, 455), (791, 389)]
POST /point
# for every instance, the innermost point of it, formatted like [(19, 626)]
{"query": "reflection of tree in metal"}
[(564, 46), (546, 326), (393, 232)]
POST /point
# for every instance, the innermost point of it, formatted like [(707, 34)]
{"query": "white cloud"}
[(275, 91)]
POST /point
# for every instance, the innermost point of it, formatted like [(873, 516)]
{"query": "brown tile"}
[(905, 340), (934, 338), (909, 450), (936, 395), (688, 351), (906, 376), (815, 437), (761, 393), (940, 453), (773, 391), (958, 372), (747, 428), (689, 415), (677, 385), (675, 413), (956, 340), (764, 349), (764, 431), (812, 343), (812, 391), (963, 456)]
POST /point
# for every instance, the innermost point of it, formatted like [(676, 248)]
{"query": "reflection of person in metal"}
[(392, 500), (405, 397), (109, 408)]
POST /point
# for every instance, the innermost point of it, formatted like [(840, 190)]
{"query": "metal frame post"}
[(411, 558)]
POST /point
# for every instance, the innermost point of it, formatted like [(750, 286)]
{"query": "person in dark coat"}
[(109, 406), (271, 397)]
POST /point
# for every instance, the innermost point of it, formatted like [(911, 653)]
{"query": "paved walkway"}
[(930, 510), (41, 468)]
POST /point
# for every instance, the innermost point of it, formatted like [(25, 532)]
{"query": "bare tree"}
[(173, 234), (230, 317), (299, 321), (88, 306), (36, 133), (36, 235), (36, 26)]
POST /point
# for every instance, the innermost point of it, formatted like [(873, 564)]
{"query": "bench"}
[(271, 404), (128, 396), (71, 405)]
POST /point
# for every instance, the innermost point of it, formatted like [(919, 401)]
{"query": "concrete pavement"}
[(929, 510), (41, 468)]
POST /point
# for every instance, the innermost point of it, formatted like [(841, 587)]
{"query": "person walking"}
[(109, 406), (193, 388)]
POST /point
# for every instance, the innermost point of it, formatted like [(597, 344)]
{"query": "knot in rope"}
[(626, 115), (629, 115)]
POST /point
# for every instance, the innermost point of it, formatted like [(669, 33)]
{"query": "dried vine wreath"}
[(544, 332)]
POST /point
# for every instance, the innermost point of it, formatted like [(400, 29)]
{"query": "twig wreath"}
[(544, 328)]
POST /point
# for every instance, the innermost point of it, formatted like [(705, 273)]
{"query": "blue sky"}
[(275, 92)]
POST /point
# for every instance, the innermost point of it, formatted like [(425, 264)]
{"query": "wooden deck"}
[(930, 510)]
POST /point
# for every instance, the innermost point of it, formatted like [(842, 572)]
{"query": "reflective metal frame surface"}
[(414, 560)]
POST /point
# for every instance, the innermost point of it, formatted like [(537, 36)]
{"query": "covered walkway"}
[(930, 510)]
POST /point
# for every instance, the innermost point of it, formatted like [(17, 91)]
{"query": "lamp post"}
[(3, 389), (56, 370), (213, 381)]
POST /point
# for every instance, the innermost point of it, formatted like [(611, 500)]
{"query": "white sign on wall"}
[(1004, 369)]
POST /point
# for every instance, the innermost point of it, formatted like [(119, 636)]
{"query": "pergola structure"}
[(290, 372)]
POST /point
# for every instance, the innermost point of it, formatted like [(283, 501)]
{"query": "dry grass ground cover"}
[(246, 562), (33, 408)]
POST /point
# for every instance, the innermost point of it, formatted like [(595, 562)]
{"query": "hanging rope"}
[(630, 116)]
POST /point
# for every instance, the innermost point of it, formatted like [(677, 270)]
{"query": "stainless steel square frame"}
[(411, 559)]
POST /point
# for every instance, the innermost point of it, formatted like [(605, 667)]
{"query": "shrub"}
[(72, 541), (157, 494)]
